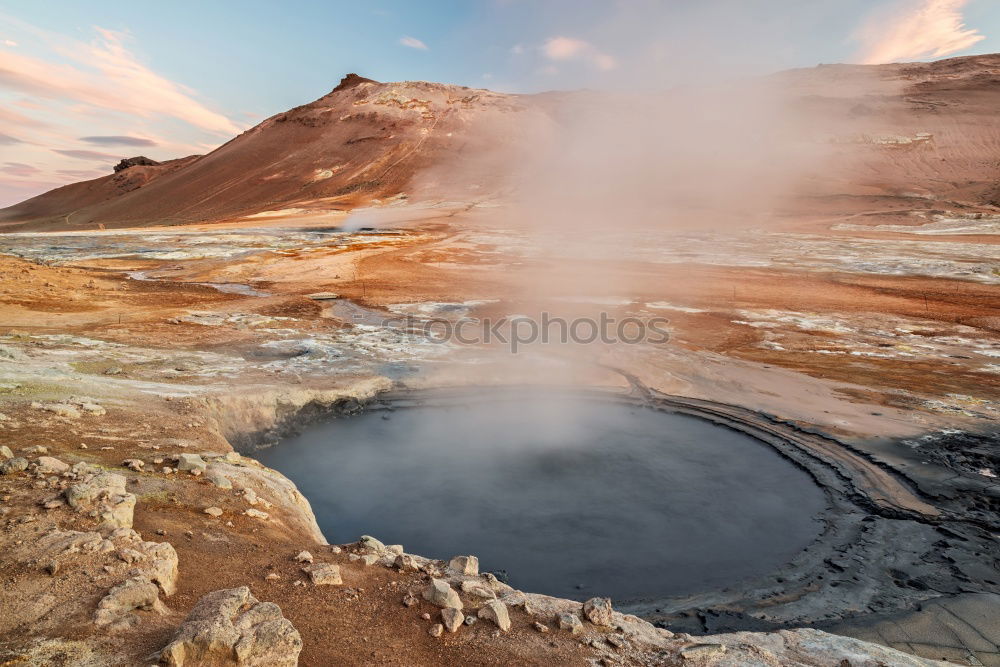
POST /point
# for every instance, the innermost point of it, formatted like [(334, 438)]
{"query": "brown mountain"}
[(927, 129)]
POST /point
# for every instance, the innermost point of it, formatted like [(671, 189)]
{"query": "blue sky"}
[(213, 68)]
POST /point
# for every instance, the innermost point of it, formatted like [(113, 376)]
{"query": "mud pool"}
[(561, 495)]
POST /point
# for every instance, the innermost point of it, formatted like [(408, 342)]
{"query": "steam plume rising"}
[(916, 29)]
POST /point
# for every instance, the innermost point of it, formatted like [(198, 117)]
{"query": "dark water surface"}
[(571, 497)]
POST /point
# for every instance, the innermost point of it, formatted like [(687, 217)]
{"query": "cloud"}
[(413, 43), (568, 48), (914, 30), (118, 140), (86, 155), (113, 80), (9, 42), (19, 169), (7, 140)]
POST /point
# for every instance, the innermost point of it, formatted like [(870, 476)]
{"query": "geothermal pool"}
[(562, 495)]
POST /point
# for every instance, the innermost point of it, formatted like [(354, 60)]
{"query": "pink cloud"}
[(916, 29), (116, 81)]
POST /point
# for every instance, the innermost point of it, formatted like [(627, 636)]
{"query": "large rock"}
[(467, 565), (13, 465), (452, 619), (496, 611), (103, 496), (441, 594), (116, 608), (191, 462), (324, 574), (51, 466), (231, 627), (598, 611)]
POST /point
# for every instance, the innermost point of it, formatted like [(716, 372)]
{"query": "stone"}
[(134, 464), (213, 511), (410, 599), (191, 462), (304, 557), (117, 606), (496, 611), (570, 622), (104, 496), (703, 651), (324, 574), (404, 563), (10, 466), (452, 619), (541, 627), (51, 466), (436, 630), (467, 565), (371, 544), (478, 589), (470, 620), (598, 611), (396, 549), (5, 452), (218, 479), (272, 576), (441, 594), (257, 514), (36, 450), (369, 559), (231, 627)]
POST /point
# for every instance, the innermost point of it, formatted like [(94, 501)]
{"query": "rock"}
[(36, 450), (218, 479), (452, 619), (369, 559), (213, 511), (11, 466), (371, 544), (134, 464), (598, 611), (396, 549), (442, 595), (467, 565), (703, 651), (410, 599), (51, 466), (436, 630), (137, 161), (232, 457), (541, 627), (304, 557), (324, 574), (322, 296), (496, 611), (470, 620), (473, 587), (231, 627), (404, 563), (272, 576), (5, 452), (257, 514), (117, 606), (570, 622), (191, 462), (103, 495)]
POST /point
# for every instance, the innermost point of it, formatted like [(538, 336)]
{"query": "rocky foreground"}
[(83, 585)]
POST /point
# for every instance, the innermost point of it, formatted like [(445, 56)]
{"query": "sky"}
[(84, 84)]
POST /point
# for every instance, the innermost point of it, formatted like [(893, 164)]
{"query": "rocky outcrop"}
[(231, 627), (137, 161), (115, 609), (103, 496)]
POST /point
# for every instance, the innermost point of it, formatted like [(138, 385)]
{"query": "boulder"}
[(304, 557), (191, 462), (11, 466), (570, 622), (452, 619), (467, 565), (116, 608), (496, 611), (598, 611), (103, 496), (324, 574), (371, 544), (231, 627), (442, 595), (51, 466), (5, 452)]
